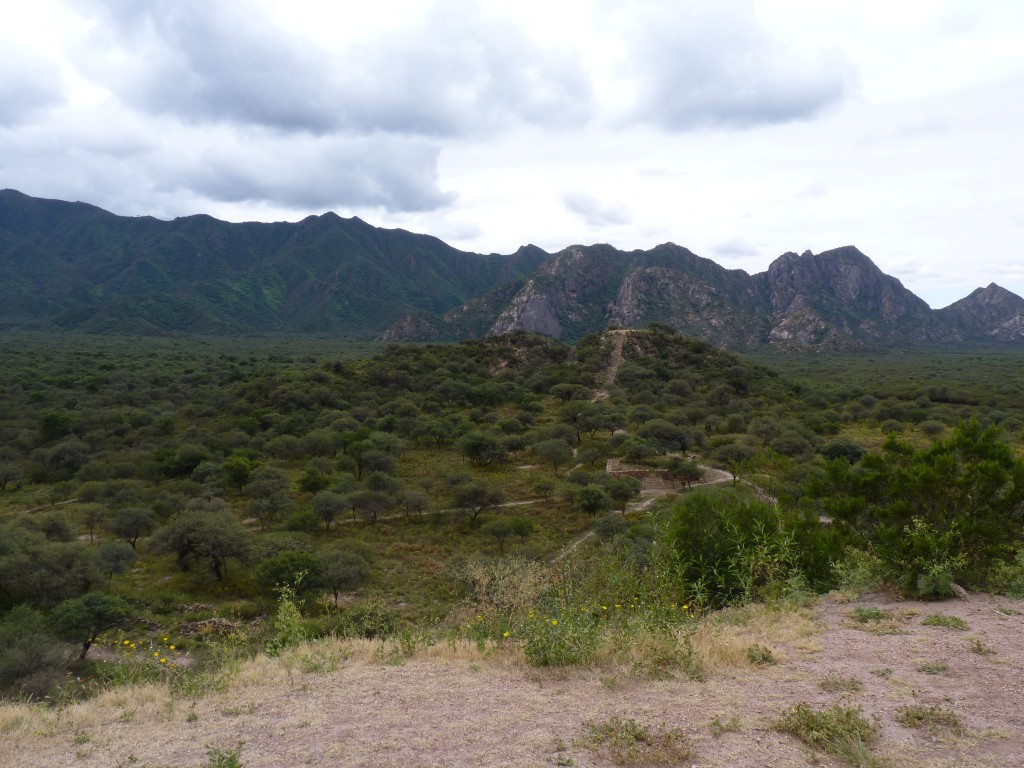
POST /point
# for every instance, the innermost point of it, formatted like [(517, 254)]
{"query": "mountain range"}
[(74, 266)]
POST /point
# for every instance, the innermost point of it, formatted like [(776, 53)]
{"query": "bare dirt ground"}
[(450, 706)]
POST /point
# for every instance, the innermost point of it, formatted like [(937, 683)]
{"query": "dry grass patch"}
[(723, 640), (836, 683), (933, 717), (842, 731), (878, 621), (627, 742)]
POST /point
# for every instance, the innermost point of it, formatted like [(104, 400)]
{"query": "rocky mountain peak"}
[(991, 313)]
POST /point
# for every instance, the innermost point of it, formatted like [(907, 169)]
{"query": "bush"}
[(32, 660), (926, 559), (562, 640), (732, 548), (302, 572), (858, 571)]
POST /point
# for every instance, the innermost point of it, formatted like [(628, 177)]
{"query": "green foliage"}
[(347, 567), (592, 500), (555, 452), (927, 561), (131, 523), (83, 619), (943, 620), (204, 532), (864, 615), (288, 626), (934, 515), (1007, 578), (733, 548), (481, 447), (858, 571), (32, 661), (226, 757), (561, 639), (301, 572)]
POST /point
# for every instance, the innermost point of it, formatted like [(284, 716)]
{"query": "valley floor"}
[(344, 705)]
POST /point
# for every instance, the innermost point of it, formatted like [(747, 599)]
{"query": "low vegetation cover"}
[(169, 509)]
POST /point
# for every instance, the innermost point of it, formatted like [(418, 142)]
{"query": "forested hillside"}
[(167, 489)]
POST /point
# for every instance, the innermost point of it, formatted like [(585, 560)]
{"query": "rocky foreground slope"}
[(937, 696)]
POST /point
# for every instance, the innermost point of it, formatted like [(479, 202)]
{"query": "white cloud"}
[(596, 212), (698, 64), (737, 129)]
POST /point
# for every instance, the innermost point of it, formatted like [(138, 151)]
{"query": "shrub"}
[(302, 572), (858, 571), (32, 660), (562, 640), (840, 730)]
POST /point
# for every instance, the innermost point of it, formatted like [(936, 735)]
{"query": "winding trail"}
[(712, 476)]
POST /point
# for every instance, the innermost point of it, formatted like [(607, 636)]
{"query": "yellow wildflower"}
[(505, 635), (163, 661), (554, 622)]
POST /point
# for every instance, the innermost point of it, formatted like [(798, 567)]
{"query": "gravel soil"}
[(456, 711)]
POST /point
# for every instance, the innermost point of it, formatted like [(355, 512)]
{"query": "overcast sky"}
[(740, 129)]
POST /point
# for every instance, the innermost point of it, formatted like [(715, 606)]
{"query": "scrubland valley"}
[(638, 550)]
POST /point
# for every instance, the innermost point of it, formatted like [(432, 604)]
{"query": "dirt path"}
[(459, 709), (712, 476), (615, 362)]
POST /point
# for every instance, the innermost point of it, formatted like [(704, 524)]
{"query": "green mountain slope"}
[(77, 266)]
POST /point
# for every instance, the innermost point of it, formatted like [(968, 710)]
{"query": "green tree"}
[(521, 527), (481, 447), (54, 424), (131, 523), (475, 497), (736, 457), (83, 619), (115, 558), (557, 453), (237, 470), (9, 473), (593, 500), (346, 568), (32, 659), (369, 504), (622, 490), (328, 506), (204, 533), (314, 480), (303, 572), (499, 530), (680, 469), (93, 515)]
